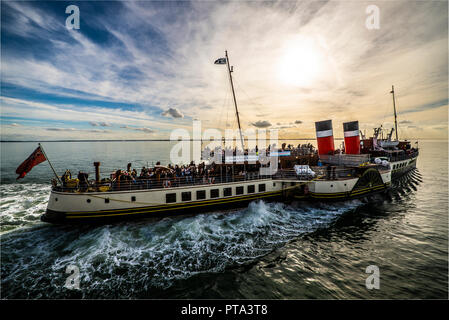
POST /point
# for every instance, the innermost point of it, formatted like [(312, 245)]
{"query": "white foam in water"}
[(22, 204), (144, 254), (155, 254)]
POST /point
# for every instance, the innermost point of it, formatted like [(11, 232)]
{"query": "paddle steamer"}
[(322, 175)]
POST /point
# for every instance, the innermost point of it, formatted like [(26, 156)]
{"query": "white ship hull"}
[(75, 207)]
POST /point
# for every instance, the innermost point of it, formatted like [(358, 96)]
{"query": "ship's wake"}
[(22, 204), (129, 259)]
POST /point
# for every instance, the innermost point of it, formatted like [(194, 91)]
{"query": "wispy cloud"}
[(308, 60)]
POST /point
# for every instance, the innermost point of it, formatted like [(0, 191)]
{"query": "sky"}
[(139, 70)]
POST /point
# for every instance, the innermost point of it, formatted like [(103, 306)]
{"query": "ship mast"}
[(235, 101), (395, 116)]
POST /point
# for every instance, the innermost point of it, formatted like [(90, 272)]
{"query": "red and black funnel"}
[(324, 137), (352, 138)]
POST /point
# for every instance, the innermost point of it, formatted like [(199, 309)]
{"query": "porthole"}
[(106, 200), (133, 198), (88, 200), (56, 199), (332, 185)]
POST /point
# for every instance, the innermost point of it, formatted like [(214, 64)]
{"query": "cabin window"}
[(133, 198), (239, 190), (186, 196), (106, 200), (170, 197), (251, 189), (274, 184), (200, 195), (214, 193), (88, 200), (227, 192), (262, 187)]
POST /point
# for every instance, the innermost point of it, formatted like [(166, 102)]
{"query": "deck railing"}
[(158, 183)]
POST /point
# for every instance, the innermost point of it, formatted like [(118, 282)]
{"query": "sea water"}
[(264, 250)]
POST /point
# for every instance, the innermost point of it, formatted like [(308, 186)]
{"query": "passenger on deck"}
[(83, 180), (328, 171), (66, 177)]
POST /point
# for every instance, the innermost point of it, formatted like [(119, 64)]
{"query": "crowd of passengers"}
[(169, 176), (175, 175)]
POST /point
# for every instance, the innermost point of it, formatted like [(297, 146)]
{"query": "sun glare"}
[(302, 62)]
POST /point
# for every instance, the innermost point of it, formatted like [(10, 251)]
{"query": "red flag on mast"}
[(33, 160)]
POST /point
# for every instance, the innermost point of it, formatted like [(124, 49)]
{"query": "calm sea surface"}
[(266, 250)]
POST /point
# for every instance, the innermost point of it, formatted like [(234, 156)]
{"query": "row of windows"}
[(214, 193), (400, 165), (201, 194)]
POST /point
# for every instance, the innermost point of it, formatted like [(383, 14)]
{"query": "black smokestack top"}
[(351, 126), (323, 125)]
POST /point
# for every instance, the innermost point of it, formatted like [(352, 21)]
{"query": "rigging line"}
[(399, 128), (226, 93), (247, 95), (232, 124), (240, 89), (227, 116), (386, 110), (226, 106)]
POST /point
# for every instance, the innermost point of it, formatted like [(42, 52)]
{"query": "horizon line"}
[(168, 140)]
